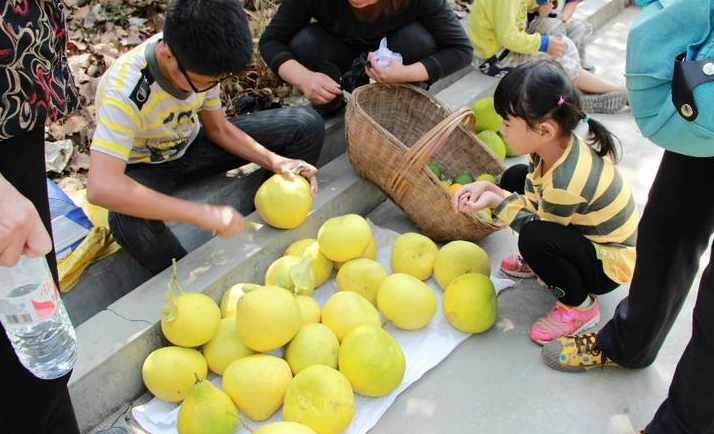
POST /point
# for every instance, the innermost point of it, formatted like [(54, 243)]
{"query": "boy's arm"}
[(223, 133), (109, 187)]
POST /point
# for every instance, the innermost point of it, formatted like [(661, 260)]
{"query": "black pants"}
[(295, 132), (674, 231), (320, 51), (562, 257), (29, 405)]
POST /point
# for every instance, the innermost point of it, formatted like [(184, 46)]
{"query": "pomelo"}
[(267, 318), (470, 303), (344, 237), (207, 410), (457, 258), (406, 301), (494, 142), (321, 266), (370, 252), (413, 254), (320, 398), (225, 347), (284, 428), (362, 276), (315, 344), (170, 372), (309, 309), (284, 203), (293, 273), (231, 296), (190, 319), (486, 116), (346, 310), (257, 384), (372, 361)]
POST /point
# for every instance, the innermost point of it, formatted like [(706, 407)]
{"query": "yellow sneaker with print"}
[(575, 354)]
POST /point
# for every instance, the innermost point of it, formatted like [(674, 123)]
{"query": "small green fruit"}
[(434, 168), (463, 178), (487, 177)]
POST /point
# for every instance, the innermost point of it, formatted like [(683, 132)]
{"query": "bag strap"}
[(419, 154), (687, 75)]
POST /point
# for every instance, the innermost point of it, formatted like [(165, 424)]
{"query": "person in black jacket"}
[(316, 45)]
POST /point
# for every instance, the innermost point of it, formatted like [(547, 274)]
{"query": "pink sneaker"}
[(514, 266), (564, 320)]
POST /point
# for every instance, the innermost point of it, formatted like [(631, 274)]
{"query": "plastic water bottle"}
[(35, 319)]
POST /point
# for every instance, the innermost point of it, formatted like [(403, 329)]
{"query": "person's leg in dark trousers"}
[(413, 42), (565, 260), (150, 242), (35, 406), (320, 51), (674, 231), (514, 178), (294, 132)]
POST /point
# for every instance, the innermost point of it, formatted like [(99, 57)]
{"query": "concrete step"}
[(115, 341)]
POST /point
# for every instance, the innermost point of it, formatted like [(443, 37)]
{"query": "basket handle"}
[(420, 153)]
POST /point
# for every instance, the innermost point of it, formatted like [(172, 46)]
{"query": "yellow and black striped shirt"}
[(586, 192), (141, 118)]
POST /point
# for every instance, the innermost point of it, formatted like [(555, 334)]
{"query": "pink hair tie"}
[(561, 100)]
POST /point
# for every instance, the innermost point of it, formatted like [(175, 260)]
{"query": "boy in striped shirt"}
[(160, 124)]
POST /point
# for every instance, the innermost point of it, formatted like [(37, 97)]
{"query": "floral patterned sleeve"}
[(35, 79)]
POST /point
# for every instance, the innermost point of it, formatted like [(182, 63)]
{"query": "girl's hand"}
[(488, 199), (468, 192), (476, 196)]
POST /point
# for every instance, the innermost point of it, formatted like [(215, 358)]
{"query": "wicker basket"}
[(392, 131)]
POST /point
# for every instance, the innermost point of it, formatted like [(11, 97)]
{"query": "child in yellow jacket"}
[(499, 32)]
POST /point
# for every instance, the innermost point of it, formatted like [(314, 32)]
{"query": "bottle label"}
[(29, 305)]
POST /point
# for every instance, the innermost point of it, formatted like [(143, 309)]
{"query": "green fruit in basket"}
[(509, 152), (434, 168), (463, 178), (491, 139), (487, 177), (486, 116)]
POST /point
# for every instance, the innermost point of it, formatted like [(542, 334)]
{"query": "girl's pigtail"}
[(600, 136)]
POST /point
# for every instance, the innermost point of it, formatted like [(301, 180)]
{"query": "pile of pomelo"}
[(330, 352), (487, 126)]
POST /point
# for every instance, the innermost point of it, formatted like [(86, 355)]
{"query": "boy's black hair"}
[(531, 92), (209, 37)]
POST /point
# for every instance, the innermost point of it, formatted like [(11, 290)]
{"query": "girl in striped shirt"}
[(576, 217)]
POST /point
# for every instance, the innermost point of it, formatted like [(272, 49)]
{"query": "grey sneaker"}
[(609, 103)]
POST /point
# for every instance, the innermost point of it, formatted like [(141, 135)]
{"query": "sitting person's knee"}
[(413, 41), (304, 39)]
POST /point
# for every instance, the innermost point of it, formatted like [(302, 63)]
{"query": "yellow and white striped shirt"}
[(586, 192), (141, 118)]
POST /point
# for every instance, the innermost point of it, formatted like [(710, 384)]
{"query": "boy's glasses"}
[(208, 87)]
